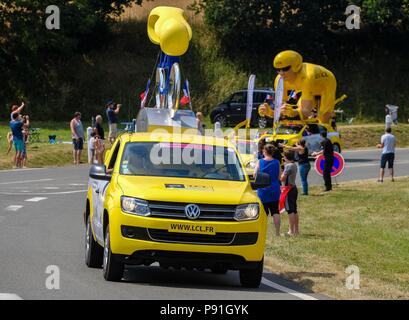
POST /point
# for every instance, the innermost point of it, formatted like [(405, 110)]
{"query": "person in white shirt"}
[(388, 144), (388, 119)]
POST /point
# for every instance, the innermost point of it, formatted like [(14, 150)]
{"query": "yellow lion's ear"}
[(168, 28)]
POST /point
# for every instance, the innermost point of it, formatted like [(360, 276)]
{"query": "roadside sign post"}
[(337, 168)]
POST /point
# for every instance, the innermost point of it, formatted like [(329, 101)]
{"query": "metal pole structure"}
[(89, 131)]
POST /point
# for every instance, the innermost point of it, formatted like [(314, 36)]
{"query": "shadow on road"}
[(360, 160), (202, 280)]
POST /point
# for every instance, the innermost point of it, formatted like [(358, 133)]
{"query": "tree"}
[(386, 13), (244, 23), (30, 53), (240, 21)]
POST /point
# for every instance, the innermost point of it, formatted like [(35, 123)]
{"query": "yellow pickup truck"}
[(180, 200)]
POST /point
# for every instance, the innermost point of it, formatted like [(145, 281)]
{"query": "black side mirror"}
[(262, 180), (99, 172)]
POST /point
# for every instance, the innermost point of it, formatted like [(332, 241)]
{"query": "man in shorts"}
[(112, 112), (77, 133), (388, 144)]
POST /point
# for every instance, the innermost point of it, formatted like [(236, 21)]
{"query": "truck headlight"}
[(135, 206), (246, 212)]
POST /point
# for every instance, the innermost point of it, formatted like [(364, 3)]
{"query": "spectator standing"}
[(77, 133), (328, 152), (260, 146), (99, 149), (388, 145), (99, 140), (200, 124), (304, 165), (16, 126), (92, 147), (16, 109), (288, 177), (270, 196), (112, 112), (388, 119), (99, 130)]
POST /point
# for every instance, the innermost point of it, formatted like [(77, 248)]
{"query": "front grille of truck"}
[(176, 210)]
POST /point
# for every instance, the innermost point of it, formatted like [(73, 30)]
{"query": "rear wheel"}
[(221, 118), (251, 278), (93, 251), (113, 270)]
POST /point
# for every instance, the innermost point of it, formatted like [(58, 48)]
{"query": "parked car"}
[(232, 110)]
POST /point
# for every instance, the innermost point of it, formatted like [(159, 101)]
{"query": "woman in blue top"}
[(270, 196)]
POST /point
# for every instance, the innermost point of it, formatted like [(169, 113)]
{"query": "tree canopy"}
[(28, 48), (242, 22)]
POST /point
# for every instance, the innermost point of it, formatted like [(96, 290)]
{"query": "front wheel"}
[(251, 278), (113, 270)]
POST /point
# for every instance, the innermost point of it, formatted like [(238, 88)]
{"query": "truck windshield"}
[(167, 159)]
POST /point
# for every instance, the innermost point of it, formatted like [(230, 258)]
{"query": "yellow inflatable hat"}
[(168, 28)]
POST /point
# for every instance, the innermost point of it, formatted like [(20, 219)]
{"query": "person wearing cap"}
[(316, 84), (112, 112)]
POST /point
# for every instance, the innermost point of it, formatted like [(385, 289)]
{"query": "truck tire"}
[(251, 278), (113, 270), (93, 251)]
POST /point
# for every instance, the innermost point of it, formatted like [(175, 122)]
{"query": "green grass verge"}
[(42, 154), (368, 135), (360, 223)]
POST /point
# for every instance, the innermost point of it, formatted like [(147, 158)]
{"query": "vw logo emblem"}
[(192, 211)]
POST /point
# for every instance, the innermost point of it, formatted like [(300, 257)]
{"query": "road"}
[(41, 225)]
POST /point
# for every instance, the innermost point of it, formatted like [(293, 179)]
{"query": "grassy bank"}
[(359, 223), (368, 135)]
